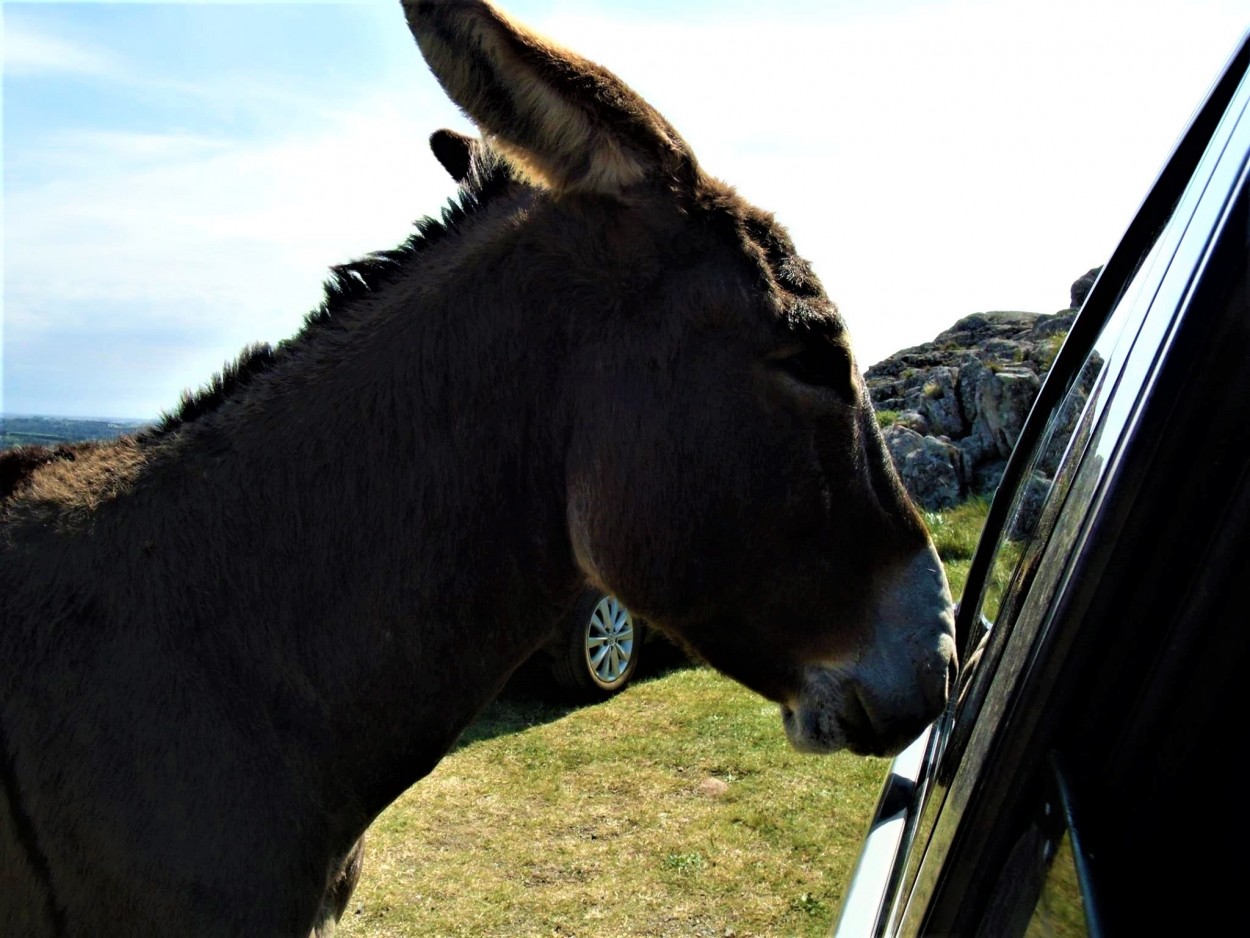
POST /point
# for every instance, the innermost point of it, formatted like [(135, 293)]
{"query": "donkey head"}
[(723, 471)]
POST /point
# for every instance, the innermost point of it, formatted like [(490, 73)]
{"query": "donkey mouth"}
[(835, 711), (816, 730)]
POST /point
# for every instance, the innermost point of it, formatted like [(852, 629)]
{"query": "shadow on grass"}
[(533, 698)]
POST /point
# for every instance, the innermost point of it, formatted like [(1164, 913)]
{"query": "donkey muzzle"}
[(896, 684)]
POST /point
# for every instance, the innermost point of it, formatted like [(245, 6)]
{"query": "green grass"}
[(887, 418), (1050, 350), (955, 533), (676, 808)]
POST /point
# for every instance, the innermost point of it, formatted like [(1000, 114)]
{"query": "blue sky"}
[(179, 177)]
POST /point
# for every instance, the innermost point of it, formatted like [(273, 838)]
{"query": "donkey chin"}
[(881, 700)]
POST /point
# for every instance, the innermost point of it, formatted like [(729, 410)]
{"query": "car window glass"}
[(1059, 909), (1055, 457), (1076, 426), (1032, 518), (1036, 505), (1065, 467), (1068, 471), (1093, 391)]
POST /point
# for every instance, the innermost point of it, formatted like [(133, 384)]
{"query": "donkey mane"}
[(18, 465), (486, 176)]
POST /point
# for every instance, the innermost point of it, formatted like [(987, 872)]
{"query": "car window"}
[(1074, 424), (1060, 908), (1120, 750), (1090, 423), (1066, 476), (1028, 536)]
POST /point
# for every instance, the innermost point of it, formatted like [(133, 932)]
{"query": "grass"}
[(955, 533), (887, 418), (676, 808)]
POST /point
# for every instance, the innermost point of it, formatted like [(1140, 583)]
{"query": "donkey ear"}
[(564, 121), (455, 151)]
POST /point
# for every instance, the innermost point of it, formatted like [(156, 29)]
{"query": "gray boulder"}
[(930, 467), (1081, 286), (961, 400), (940, 403), (1003, 401)]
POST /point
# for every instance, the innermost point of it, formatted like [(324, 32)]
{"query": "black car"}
[(1087, 777)]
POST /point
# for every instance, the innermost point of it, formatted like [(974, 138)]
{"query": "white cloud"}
[(223, 241), (181, 216), (28, 52)]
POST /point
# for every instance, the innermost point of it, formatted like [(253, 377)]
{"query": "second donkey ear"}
[(455, 152), (566, 123)]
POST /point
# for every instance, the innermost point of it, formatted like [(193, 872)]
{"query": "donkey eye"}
[(821, 364)]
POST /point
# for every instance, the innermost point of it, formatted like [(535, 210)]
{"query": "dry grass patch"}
[(676, 808)]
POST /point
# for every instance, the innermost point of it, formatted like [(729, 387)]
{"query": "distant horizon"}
[(93, 418)]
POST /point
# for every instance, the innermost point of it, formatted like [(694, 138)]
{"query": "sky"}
[(179, 177)]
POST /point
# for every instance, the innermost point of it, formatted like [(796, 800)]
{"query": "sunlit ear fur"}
[(565, 122)]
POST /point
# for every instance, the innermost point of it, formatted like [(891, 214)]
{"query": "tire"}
[(598, 653)]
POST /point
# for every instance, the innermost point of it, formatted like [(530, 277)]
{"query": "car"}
[(1086, 778), (595, 653)]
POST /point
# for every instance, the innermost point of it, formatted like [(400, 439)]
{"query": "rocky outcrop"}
[(1080, 288), (931, 467), (952, 409)]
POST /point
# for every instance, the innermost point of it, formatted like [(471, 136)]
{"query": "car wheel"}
[(598, 653)]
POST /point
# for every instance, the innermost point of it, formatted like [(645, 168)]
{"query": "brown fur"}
[(226, 645)]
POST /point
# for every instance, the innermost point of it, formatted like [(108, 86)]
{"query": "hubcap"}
[(609, 640)]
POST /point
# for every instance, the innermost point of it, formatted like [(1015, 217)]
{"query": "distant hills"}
[(48, 431)]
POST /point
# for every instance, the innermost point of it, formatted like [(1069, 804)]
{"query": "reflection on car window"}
[(1060, 910), (1060, 449), (1044, 524), (1055, 463), (1064, 467), (985, 852)]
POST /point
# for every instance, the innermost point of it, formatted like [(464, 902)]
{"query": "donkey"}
[(229, 642)]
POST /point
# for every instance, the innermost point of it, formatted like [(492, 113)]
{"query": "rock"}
[(986, 476), (913, 421), (1034, 493), (1081, 286), (713, 787), (940, 404), (1003, 401), (931, 468), (977, 443), (961, 400)]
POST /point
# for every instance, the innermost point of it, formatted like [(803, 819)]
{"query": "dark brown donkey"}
[(228, 643)]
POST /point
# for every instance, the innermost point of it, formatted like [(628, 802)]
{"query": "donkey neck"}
[(399, 490)]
